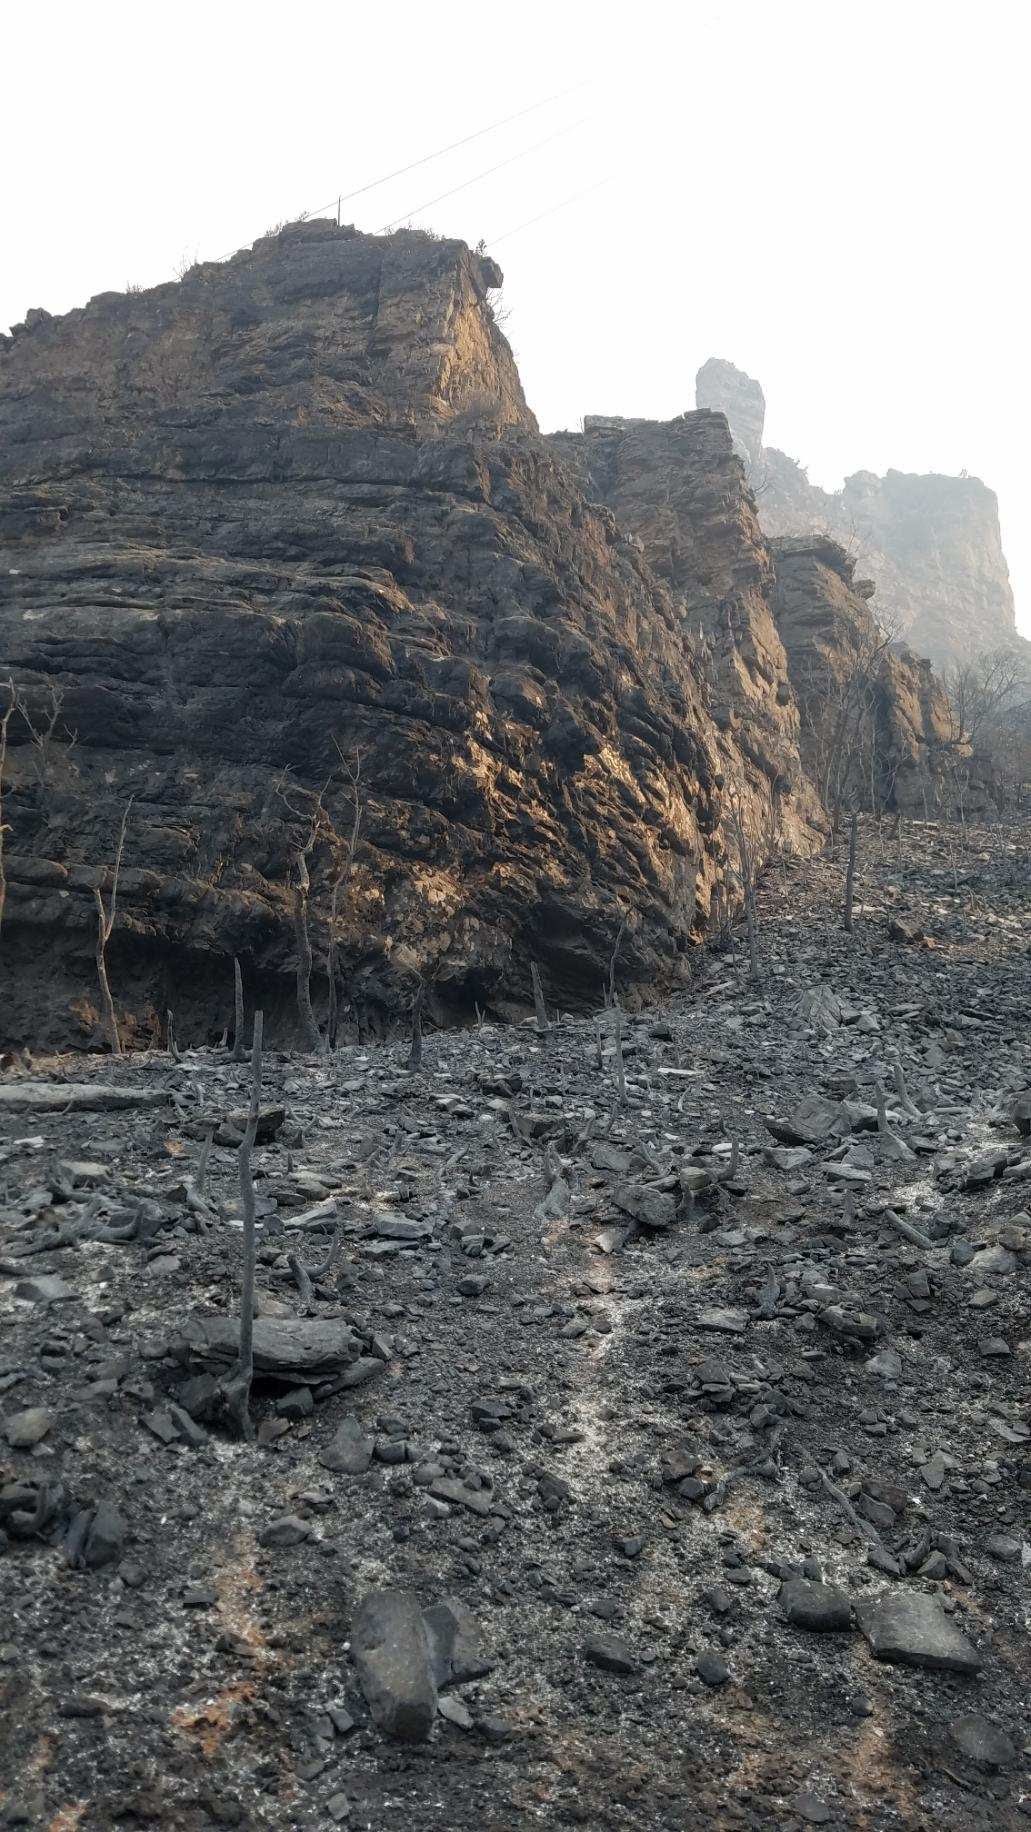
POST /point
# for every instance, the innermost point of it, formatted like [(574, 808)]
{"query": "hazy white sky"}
[(829, 194)]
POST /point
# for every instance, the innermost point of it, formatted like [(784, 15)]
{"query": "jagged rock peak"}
[(728, 390)]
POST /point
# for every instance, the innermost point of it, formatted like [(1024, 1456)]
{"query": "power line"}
[(564, 205), (527, 150), (520, 115), (413, 165)]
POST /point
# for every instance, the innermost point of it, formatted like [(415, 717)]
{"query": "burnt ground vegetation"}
[(675, 1364)]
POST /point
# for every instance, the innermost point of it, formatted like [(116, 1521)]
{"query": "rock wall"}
[(931, 544), (883, 703), (680, 489), (281, 543), (800, 677)]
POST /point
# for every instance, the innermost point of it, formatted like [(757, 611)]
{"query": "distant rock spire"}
[(727, 390)]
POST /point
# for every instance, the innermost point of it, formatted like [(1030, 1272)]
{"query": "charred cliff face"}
[(681, 489), (805, 686), (288, 573), (931, 544), (877, 730)]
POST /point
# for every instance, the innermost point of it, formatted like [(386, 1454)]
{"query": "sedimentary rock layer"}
[(284, 559)]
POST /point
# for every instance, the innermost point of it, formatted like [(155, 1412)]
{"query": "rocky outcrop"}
[(931, 544), (876, 723), (802, 683), (678, 486), (284, 559), (726, 390)]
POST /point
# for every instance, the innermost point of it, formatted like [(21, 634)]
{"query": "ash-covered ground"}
[(711, 1466)]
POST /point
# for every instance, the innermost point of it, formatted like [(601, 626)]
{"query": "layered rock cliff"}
[(281, 547), (678, 486), (799, 672), (932, 544), (877, 729)]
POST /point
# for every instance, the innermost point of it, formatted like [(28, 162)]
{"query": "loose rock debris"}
[(605, 1474)]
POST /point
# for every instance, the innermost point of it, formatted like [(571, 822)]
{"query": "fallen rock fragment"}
[(912, 1629), (456, 1648), (349, 1451), (24, 1430), (820, 1607), (45, 1288), (391, 1652), (812, 1121), (75, 1097), (982, 1742), (651, 1208), (608, 1652), (284, 1347)]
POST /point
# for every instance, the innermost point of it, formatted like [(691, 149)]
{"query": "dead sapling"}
[(314, 813), (196, 1188), (415, 1052), (302, 942), (907, 1230), (621, 931), (902, 1092), (5, 720), (746, 874), (850, 872), (619, 1064), (353, 771), (173, 1047), (729, 1175), (237, 1011), (236, 1389), (554, 1203), (307, 1277), (892, 1147), (540, 1009), (105, 929)]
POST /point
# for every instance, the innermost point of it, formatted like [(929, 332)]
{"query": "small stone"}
[(349, 1451), (297, 1404), (46, 1288), (809, 1807), (456, 1711), (105, 1539), (25, 1429), (609, 1652), (713, 1670), (728, 1322), (1001, 1546), (820, 1607), (287, 1530), (199, 1596), (448, 1488), (982, 1742), (456, 1650)]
